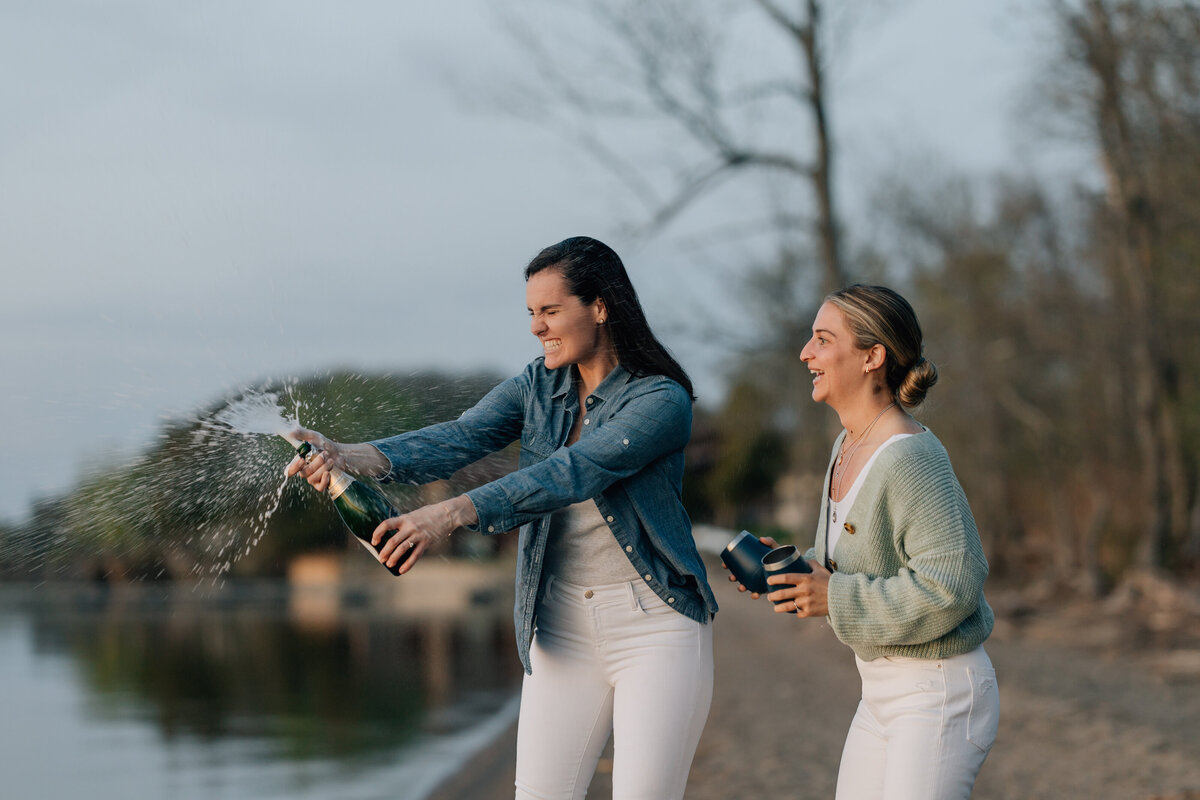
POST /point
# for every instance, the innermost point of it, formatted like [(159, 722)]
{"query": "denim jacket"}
[(629, 459)]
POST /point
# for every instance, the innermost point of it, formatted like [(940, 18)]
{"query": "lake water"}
[(249, 691)]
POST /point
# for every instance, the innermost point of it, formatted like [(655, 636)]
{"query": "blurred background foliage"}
[(1061, 310), (206, 501)]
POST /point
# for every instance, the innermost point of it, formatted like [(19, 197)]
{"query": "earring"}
[(600, 321)]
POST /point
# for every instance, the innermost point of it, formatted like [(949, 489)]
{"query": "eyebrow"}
[(543, 308), (825, 331)]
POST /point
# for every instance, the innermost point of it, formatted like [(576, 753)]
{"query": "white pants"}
[(612, 660), (922, 729)]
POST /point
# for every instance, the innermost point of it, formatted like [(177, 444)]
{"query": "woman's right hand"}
[(361, 459), (769, 542), (325, 454)]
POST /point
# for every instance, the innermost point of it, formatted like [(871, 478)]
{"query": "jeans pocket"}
[(652, 605), (984, 717)]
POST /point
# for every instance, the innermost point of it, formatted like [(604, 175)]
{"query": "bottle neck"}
[(338, 482)]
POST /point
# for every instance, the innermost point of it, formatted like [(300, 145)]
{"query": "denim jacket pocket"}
[(534, 448), (984, 716)]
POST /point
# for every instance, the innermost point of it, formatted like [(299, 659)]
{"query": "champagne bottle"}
[(360, 506)]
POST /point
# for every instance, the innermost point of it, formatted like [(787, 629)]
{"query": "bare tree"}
[(1131, 74), (735, 88)]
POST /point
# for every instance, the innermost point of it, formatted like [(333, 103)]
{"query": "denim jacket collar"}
[(568, 378)]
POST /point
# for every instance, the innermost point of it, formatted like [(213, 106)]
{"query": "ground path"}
[(1076, 721)]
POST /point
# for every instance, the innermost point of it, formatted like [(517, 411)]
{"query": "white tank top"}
[(839, 509)]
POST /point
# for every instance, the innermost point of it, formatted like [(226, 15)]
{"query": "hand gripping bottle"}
[(360, 506)]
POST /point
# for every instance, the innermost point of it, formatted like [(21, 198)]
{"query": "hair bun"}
[(917, 382)]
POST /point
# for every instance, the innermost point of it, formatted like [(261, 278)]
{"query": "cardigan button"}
[(848, 528), (833, 564)]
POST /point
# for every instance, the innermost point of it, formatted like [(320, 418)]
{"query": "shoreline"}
[(472, 760)]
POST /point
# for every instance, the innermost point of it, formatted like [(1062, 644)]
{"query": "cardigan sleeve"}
[(927, 572)]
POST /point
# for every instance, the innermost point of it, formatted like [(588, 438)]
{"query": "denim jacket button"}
[(624, 441), (628, 548), (671, 600), (649, 577), (608, 518), (491, 528), (587, 422), (591, 400)]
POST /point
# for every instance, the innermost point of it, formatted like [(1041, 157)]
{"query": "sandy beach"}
[(1093, 705)]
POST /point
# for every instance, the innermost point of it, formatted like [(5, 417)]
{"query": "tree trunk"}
[(827, 225), (1132, 211)]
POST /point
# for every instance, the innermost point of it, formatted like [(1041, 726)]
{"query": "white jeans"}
[(612, 660), (922, 729)]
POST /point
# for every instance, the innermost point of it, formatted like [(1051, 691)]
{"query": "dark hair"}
[(879, 315), (593, 270)]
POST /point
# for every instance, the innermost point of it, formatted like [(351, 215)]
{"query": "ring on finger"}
[(796, 606)]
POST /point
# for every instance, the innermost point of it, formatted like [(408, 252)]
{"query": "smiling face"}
[(838, 366), (570, 331)]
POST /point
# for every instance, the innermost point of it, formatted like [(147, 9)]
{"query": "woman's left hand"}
[(808, 596), (417, 531)]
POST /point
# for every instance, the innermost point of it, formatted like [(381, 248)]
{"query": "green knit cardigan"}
[(910, 567)]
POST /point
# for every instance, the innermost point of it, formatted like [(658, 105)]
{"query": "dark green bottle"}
[(361, 507)]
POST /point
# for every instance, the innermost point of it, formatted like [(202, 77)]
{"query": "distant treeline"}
[(1061, 311), (204, 501), (1061, 307)]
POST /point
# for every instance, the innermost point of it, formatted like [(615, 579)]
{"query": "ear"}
[(600, 310), (876, 356)]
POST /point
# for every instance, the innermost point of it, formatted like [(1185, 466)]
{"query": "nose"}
[(537, 326), (806, 352)]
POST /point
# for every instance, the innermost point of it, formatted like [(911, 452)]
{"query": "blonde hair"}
[(879, 315)]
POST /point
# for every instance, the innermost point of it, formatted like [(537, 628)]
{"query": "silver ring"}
[(796, 606)]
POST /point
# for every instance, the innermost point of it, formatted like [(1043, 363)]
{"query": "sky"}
[(198, 197)]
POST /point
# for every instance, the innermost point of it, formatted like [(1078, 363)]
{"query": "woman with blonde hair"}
[(898, 566)]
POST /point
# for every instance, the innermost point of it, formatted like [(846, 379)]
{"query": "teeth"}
[(551, 344)]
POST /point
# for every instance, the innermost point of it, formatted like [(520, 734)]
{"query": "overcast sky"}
[(195, 197)]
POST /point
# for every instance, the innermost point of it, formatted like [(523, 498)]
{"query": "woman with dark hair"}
[(612, 600), (897, 566)]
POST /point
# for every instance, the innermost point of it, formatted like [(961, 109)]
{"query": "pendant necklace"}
[(847, 455)]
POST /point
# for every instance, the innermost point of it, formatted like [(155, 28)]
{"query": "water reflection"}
[(329, 682)]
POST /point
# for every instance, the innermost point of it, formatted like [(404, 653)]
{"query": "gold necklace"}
[(847, 455)]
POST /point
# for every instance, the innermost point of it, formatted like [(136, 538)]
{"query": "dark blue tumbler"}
[(744, 557), (781, 561)]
